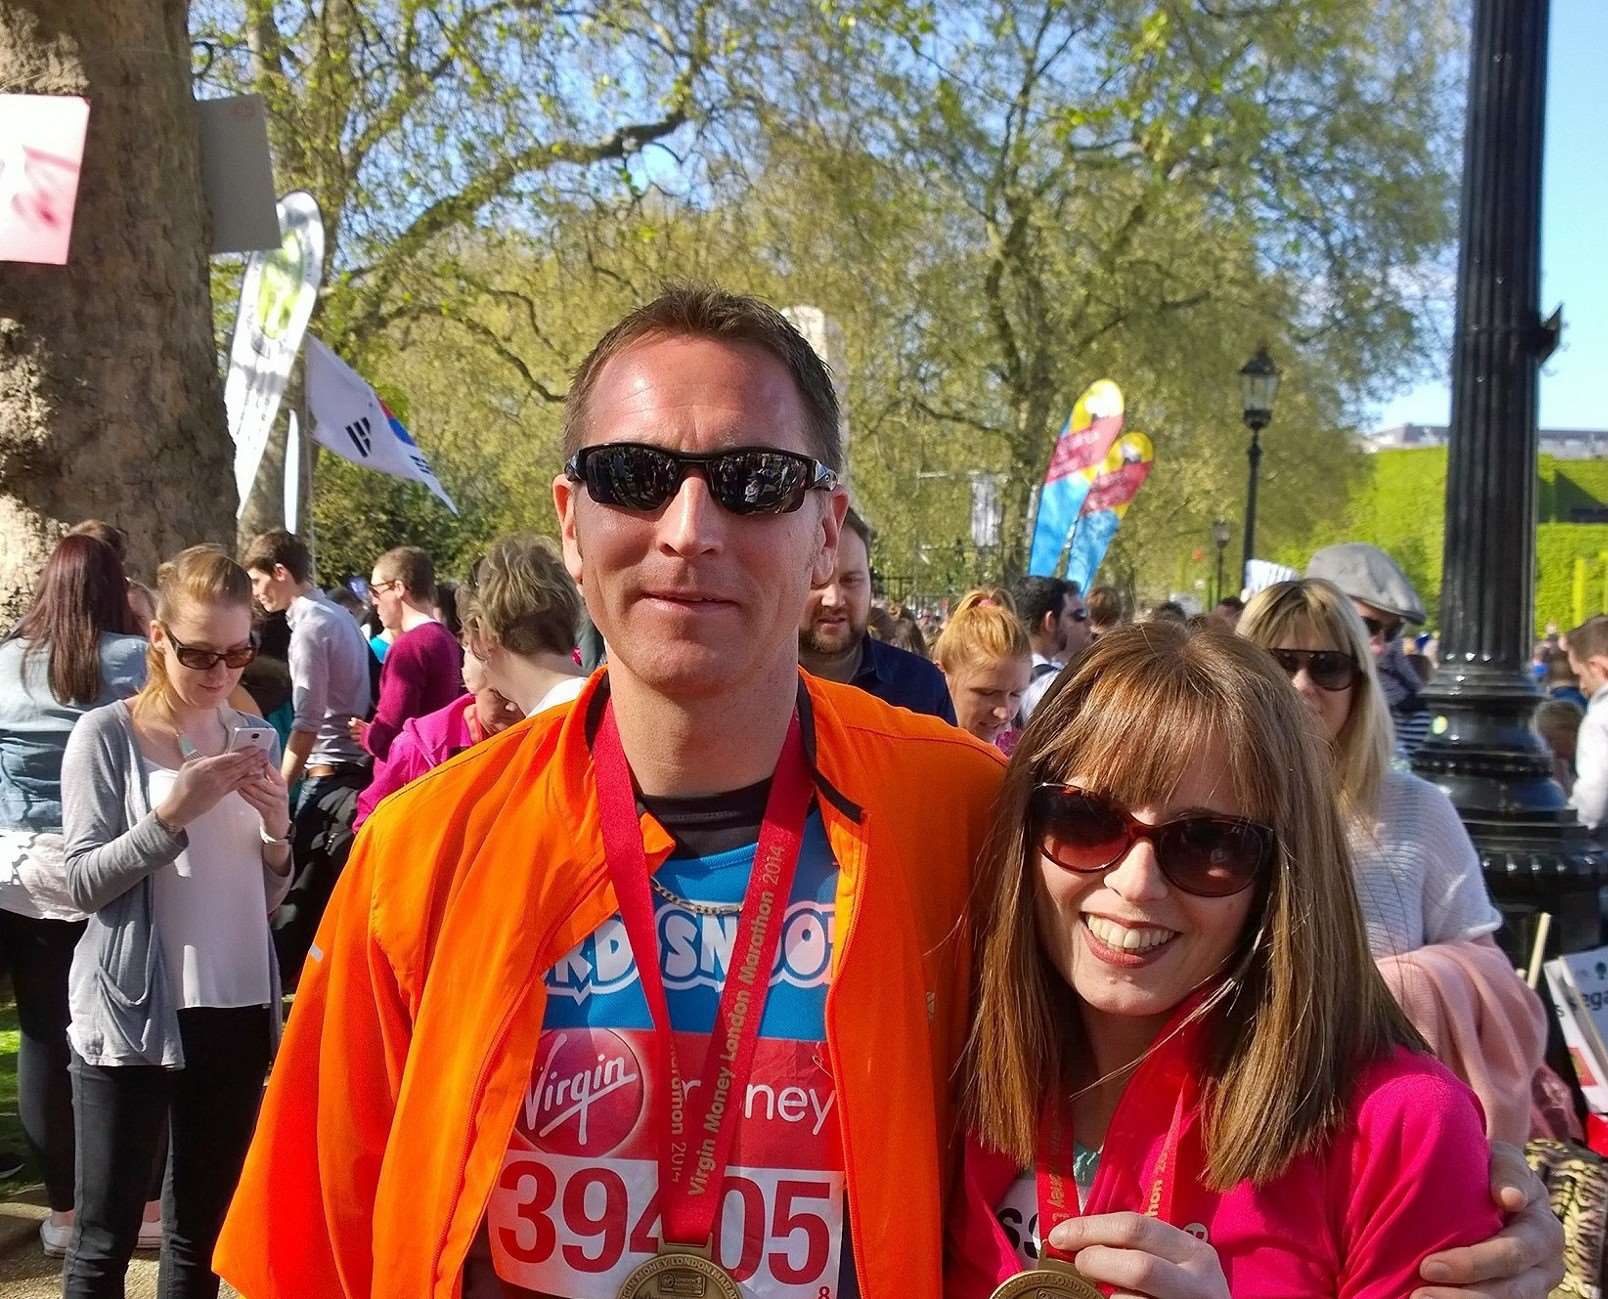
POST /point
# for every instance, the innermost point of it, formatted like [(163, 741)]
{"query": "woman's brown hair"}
[(82, 595), (200, 575), (1140, 705), (520, 596)]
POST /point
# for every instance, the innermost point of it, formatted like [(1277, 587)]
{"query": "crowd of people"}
[(623, 958)]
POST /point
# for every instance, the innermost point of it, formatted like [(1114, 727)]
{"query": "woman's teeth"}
[(1123, 938)]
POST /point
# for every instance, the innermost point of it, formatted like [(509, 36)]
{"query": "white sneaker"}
[(55, 1237), (150, 1235)]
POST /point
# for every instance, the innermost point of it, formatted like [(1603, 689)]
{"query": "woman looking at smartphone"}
[(1179, 1033), (176, 826)]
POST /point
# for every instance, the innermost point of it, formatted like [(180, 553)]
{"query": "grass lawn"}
[(11, 1138)]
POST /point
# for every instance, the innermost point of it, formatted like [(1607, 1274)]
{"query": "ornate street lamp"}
[(1221, 531), (1481, 750), (1259, 385)]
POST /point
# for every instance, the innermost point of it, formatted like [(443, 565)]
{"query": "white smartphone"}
[(252, 737)]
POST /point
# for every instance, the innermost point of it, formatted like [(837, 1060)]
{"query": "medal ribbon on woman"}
[(1056, 1277), (695, 1130)]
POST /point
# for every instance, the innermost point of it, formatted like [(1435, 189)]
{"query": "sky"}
[(1574, 234)]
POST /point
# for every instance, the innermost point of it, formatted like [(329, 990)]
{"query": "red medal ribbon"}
[(1057, 1191), (696, 1131)]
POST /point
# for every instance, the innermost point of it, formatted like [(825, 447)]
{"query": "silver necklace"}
[(697, 908)]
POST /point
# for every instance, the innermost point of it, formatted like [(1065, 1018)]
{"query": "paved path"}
[(25, 1272)]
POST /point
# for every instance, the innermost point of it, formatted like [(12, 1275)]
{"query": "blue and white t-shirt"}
[(575, 1207)]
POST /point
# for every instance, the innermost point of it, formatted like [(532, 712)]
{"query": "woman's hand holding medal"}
[(1141, 1256)]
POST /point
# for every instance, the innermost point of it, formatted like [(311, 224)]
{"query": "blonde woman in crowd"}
[(520, 612), (177, 827), (1428, 916), (987, 662)]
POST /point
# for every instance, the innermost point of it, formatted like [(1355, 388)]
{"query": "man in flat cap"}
[(1386, 601)]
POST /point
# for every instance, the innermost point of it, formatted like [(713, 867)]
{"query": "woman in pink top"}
[(1232, 1081), (428, 741)]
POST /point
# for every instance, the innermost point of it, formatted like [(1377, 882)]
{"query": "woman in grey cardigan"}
[(177, 846), (72, 651)]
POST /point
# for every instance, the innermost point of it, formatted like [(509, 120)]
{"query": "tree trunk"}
[(110, 400)]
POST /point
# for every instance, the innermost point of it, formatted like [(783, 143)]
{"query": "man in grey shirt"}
[(329, 680)]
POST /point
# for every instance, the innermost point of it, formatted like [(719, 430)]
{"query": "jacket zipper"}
[(477, 1095), (855, 831)]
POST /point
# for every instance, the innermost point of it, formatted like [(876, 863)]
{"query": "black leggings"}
[(210, 1106), (37, 954)]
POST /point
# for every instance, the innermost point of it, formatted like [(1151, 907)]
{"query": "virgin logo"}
[(586, 1092)]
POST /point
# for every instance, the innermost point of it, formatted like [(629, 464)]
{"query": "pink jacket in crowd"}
[(423, 743), (1405, 1177)]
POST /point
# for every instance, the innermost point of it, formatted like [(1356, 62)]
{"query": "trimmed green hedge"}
[(1400, 506)]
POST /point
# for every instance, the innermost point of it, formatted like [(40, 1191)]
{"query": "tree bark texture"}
[(110, 399)]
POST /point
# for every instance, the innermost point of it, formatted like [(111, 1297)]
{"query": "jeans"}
[(210, 1107), (37, 954), (321, 840)]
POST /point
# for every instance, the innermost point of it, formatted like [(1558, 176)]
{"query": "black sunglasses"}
[(1326, 669), (744, 480), (204, 660), (1209, 856), (1387, 630)]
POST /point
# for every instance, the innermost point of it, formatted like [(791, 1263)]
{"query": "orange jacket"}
[(394, 1094)]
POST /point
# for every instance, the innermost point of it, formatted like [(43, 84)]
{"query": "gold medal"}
[(683, 1274), (1052, 1279)]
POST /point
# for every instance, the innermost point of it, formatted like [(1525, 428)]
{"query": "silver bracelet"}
[(262, 833)]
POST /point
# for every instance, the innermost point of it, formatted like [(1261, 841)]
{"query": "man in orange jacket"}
[(659, 994)]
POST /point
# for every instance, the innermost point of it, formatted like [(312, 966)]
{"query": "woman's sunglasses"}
[(745, 480), (204, 660), (1326, 669), (1208, 856)]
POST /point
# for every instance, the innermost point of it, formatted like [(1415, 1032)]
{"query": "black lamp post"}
[(1259, 385), (1481, 750), (1221, 531)]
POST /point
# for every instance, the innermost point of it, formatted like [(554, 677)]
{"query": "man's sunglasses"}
[(1326, 669), (1208, 856), (204, 660), (1386, 631), (744, 480)]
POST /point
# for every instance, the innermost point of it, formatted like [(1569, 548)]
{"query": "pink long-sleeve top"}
[(425, 742), (1405, 1176)]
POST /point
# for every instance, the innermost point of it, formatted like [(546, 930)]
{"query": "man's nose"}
[(693, 522)]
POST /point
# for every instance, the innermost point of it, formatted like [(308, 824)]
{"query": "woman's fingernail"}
[(1436, 1272)]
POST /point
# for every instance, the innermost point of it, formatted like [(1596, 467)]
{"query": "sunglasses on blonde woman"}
[(204, 660), (1204, 854), (1327, 669)]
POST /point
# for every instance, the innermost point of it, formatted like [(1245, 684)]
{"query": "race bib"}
[(575, 1207)]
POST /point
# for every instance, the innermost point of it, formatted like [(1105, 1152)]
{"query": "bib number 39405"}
[(566, 1226)]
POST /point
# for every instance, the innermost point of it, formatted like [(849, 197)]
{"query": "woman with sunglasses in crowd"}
[(1417, 873), (73, 650), (1179, 1036), (177, 845)]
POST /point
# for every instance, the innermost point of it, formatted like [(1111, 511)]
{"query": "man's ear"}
[(565, 498), (824, 561)]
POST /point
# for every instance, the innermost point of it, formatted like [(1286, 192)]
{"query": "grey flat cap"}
[(1366, 573)]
